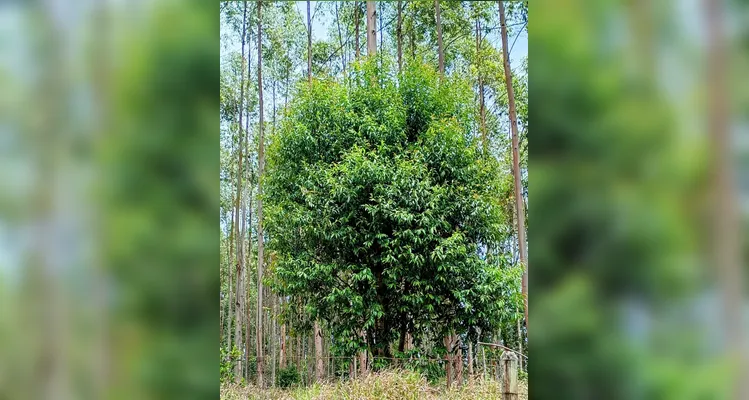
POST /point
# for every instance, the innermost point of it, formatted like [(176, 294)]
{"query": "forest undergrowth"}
[(384, 385)]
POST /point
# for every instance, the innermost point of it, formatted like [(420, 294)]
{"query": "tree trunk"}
[(340, 40), (483, 359), (519, 212), (448, 360), (231, 286), (309, 43), (482, 106), (261, 168), (248, 232), (458, 360), (520, 345), (402, 339), (440, 49), (363, 358), (470, 360), (273, 342), (243, 321), (282, 356), (399, 36), (319, 366), (371, 29), (357, 19), (379, 15), (237, 201)]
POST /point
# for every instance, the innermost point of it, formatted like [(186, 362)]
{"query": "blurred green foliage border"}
[(109, 196)]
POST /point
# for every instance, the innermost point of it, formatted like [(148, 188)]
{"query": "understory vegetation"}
[(385, 385)]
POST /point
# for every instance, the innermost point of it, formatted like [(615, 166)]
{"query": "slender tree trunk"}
[(340, 40), (379, 15), (231, 285), (440, 49), (470, 360), (402, 338), (261, 168), (363, 358), (319, 367), (248, 315), (238, 236), (371, 29), (458, 360), (309, 42), (519, 212), (482, 106), (273, 341), (448, 359), (248, 253), (483, 359), (242, 321), (282, 357), (399, 35), (357, 19), (520, 345)]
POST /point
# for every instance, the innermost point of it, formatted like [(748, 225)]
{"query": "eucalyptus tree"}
[(261, 162), (519, 206)]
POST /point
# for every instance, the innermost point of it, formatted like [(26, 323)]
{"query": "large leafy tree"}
[(380, 205)]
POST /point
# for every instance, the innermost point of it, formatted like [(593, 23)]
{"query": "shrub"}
[(226, 367), (288, 377)]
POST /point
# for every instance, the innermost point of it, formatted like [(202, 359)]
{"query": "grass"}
[(386, 385)]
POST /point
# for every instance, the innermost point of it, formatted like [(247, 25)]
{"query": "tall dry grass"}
[(386, 385)]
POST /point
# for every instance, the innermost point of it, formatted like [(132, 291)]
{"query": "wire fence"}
[(302, 369)]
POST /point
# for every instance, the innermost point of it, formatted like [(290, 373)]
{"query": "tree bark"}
[(230, 300), (363, 358), (248, 253), (470, 360), (273, 342), (261, 168), (340, 40), (440, 49), (458, 360), (402, 339), (319, 366), (482, 106), (282, 356), (448, 360), (399, 35), (309, 43), (519, 212), (379, 15), (371, 29), (357, 19), (520, 345), (238, 237)]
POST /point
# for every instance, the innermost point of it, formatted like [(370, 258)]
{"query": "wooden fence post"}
[(509, 365), (483, 357)]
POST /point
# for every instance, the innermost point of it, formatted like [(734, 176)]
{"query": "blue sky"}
[(322, 23)]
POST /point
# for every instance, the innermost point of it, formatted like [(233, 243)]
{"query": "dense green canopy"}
[(380, 206)]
